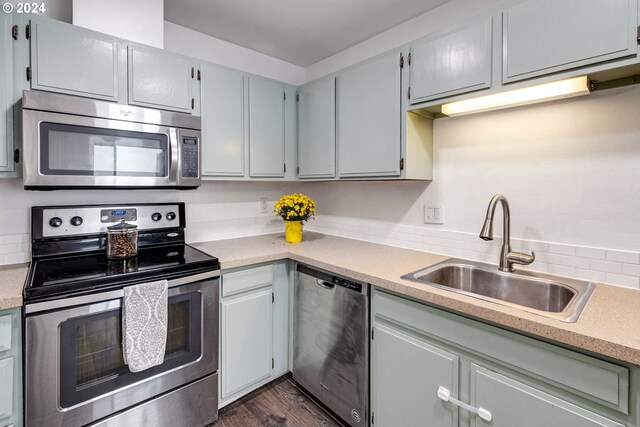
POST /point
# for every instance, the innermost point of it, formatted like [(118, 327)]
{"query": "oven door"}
[(74, 369), (67, 151)]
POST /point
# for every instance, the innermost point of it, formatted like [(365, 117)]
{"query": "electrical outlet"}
[(264, 208), (434, 213)]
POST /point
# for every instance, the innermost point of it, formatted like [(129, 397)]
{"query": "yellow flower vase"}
[(293, 231)]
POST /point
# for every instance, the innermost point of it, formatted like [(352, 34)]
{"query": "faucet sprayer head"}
[(487, 229)]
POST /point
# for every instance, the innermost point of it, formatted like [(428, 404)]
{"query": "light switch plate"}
[(434, 213)]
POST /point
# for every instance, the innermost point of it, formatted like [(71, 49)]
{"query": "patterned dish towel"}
[(144, 325)]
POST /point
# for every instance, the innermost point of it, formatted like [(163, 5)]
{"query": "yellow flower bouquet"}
[(294, 209)]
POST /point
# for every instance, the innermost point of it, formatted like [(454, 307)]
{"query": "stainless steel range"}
[(74, 369)]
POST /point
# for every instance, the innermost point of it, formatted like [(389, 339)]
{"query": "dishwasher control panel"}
[(348, 284)]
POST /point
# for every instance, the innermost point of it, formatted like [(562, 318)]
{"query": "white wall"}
[(141, 20), (192, 43)]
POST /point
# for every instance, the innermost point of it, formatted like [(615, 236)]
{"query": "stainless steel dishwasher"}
[(330, 342)]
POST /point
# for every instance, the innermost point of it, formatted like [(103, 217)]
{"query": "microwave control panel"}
[(190, 157)]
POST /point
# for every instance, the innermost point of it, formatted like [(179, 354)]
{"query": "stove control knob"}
[(171, 216), (76, 221), (156, 216), (55, 222)]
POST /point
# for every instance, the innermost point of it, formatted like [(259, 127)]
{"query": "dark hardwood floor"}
[(278, 404)]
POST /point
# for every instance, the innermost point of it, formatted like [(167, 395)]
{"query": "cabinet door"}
[(222, 104), (6, 95), (317, 130), (246, 340), (159, 79), (6, 388), (266, 128), (513, 403), (458, 62), (405, 375), (368, 111), (546, 36), (72, 60)]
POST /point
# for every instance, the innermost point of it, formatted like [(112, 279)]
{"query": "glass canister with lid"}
[(122, 240)]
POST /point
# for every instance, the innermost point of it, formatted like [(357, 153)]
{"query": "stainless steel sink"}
[(562, 299)]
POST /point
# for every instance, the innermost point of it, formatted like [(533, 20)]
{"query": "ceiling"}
[(301, 32)]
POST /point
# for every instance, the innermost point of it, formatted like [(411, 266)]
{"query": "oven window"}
[(82, 150), (91, 350)]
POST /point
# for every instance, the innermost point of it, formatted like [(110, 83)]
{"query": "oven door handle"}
[(111, 295)]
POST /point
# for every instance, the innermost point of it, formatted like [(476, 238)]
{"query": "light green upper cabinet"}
[(69, 60), (222, 111), (290, 133), (406, 363), (455, 63), (266, 128), (546, 36), (317, 129), (368, 118), (6, 95), (159, 79)]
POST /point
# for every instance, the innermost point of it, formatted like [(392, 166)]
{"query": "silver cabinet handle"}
[(445, 396)]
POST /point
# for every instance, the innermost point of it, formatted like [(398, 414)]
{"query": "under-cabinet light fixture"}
[(567, 88)]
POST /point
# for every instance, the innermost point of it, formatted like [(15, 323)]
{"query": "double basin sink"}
[(561, 299)]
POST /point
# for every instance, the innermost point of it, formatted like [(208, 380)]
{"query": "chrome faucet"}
[(507, 258)]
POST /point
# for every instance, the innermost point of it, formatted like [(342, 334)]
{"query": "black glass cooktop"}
[(78, 274)]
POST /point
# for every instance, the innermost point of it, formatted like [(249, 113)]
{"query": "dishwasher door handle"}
[(325, 284)]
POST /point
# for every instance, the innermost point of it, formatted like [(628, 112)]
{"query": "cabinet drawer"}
[(5, 332), (6, 387), (241, 281), (599, 381)]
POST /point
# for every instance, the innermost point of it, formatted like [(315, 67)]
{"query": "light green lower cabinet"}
[(512, 380), (407, 370), (254, 323), (513, 403), (10, 368), (247, 331)]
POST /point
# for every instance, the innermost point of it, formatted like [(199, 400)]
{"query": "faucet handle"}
[(521, 258)]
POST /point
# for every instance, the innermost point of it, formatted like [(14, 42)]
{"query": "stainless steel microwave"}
[(72, 142)]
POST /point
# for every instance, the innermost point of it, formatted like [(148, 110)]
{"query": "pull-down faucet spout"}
[(507, 257)]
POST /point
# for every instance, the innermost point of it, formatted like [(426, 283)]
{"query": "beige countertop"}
[(608, 325), (11, 284)]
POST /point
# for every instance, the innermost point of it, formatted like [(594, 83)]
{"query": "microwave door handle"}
[(173, 155)]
